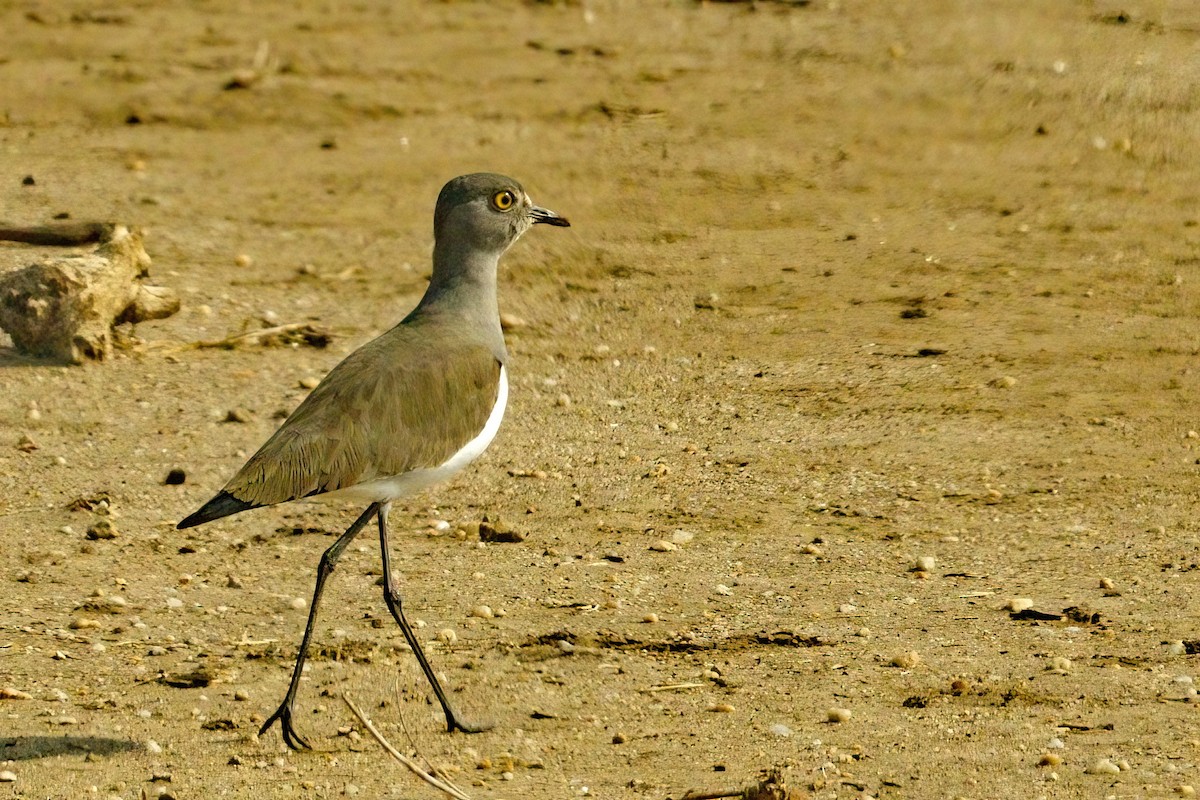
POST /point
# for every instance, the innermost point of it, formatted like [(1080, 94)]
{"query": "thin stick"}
[(256, 337), (672, 687), (449, 789)]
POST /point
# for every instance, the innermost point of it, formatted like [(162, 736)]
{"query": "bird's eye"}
[(503, 201)]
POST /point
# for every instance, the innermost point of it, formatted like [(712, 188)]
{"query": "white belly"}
[(385, 490)]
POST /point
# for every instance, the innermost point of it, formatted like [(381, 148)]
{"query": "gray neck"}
[(464, 286)]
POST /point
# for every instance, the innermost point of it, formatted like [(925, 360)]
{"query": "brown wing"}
[(396, 404)]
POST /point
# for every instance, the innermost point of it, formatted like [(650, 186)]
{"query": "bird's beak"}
[(539, 214)]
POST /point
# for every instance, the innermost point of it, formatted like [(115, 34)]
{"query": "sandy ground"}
[(853, 287)]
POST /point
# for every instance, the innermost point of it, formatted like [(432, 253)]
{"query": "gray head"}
[(488, 211)]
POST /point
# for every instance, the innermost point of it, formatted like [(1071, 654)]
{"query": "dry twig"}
[(437, 783)]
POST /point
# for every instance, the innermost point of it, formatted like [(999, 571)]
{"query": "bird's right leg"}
[(328, 561)]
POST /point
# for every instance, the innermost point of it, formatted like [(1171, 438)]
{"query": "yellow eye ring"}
[(503, 201)]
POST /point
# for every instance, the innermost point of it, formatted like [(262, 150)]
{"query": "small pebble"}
[(102, 529), (511, 322), (682, 537), (847, 608), (7, 776), (721, 708), (233, 582), (863, 633), (1177, 648), (837, 715), (650, 618), (780, 730), (907, 660), (309, 382), (506, 776), (923, 564), (1107, 583), (9, 693), (298, 603), (1059, 665), (563, 401), (174, 602), (1003, 382), (1185, 790), (663, 546), (447, 636), (1103, 767), (723, 589), (483, 612), (1055, 743), (1049, 760), (237, 415), (243, 260), (1017, 604), (619, 738), (811, 550), (241, 695)]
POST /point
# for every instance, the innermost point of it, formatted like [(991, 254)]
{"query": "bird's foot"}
[(456, 723), (283, 715)]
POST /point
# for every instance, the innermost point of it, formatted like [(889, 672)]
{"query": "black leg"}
[(391, 596), (283, 715)]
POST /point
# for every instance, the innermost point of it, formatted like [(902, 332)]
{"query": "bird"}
[(405, 411)]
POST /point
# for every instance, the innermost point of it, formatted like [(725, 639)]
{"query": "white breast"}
[(385, 490)]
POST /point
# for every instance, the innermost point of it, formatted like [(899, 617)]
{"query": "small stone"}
[(483, 612), (26, 444), (663, 546), (1059, 665), (310, 382), (811, 550), (7, 776), (682, 537), (237, 415), (563, 400), (447, 636), (722, 589), (233, 582), (1185, 790), (837, 715), (499, 531), (243, 260), (780, 730), (9, 693), (721, 708), (847, 608), (565, 646), (1177, 648), (923, 564), (1003, 382), (1055, 743), (174, 602), (1103, 767), (506, 776), (102, 528), (1018, 604), (1107, 583), (1049, 760), (175, 477), (706, 300), (153, 747), (511, 322), (298, 603), (650, 618), (619, 738), (907, 660), (241, 695)]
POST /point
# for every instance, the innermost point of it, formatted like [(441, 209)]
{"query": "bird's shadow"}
[(12, 357), (24, 748)]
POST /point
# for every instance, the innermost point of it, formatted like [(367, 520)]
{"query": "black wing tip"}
[(222, 505)]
